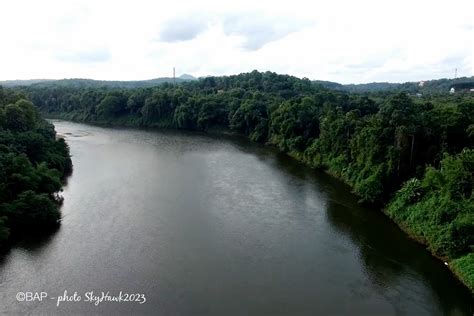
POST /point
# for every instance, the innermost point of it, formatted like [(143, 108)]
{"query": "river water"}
[(200, 224)]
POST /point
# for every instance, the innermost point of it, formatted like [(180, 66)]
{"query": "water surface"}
[(217, 225)]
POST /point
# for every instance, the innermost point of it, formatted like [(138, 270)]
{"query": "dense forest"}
[(32, 166), (413, 156)]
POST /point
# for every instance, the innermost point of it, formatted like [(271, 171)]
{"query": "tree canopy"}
[(32, 165)]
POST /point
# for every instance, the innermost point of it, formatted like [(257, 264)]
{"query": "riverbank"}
[(461, 267)]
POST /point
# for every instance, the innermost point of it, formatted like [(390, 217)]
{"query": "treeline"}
[(32, 166), (375, 143)]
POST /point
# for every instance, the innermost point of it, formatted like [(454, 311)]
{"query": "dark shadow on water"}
[(33, 242), (384, 249), (386, 252)]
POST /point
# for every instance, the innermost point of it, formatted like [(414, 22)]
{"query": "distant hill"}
[(329, 84), (16, 83), (372, 87), (428, 86), (90, 83), (187, 77)]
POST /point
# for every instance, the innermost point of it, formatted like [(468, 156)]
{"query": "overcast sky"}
[(343, 41)]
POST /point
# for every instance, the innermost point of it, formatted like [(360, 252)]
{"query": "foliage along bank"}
[(33, 164)]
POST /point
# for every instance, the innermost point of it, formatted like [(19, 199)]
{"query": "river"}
[(210, 225)]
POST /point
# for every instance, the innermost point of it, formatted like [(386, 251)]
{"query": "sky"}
[(344, 41)]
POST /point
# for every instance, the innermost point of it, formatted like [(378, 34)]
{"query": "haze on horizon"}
[(342, 41)]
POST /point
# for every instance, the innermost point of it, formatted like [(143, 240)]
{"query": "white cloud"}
[(182, 28), (344, 41), (258, 29)]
